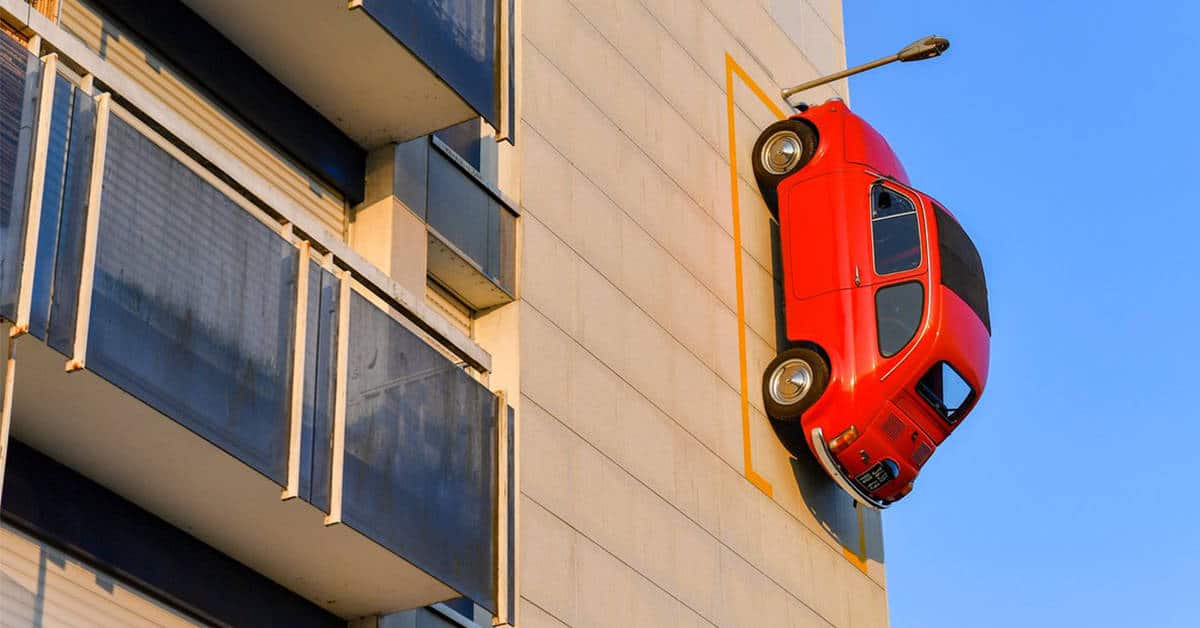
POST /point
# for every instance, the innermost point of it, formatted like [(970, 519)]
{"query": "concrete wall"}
[(644, 500)]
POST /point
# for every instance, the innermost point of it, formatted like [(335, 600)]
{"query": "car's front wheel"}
[(780, 150), (794, 381)]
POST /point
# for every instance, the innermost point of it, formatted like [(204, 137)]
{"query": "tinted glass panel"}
[(463, 212), (319, 379), (52, 197), (193, 303), (19, 72), (65, 297), (946, 391), (898, 314), (420, 465), (962, 268), (456, 39), (895, 231)]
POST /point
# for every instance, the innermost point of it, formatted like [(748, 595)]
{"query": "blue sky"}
[(1063, 136)]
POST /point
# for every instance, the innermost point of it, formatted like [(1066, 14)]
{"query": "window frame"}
[(920, 317), (964, 408), (912, 198)]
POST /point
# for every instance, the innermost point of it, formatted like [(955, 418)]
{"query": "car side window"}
[(895, 231), (898, 315)]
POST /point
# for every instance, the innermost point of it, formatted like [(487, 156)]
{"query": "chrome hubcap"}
[(790, 381), (781, 152)]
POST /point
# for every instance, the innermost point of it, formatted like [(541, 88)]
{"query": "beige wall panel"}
[(597, 414), (545, 362), (532, 616), (548, 562), (548, 455), (603, 312), (604, 587), (549, 276), (546, 186)]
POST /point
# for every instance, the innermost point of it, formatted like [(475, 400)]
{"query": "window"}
[(962, 268), (946, 391), (898, 314), (894, 230)]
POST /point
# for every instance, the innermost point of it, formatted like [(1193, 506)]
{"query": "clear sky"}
[(1064, 137)]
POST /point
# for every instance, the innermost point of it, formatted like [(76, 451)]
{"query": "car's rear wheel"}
[(780, 150), (794, 381)]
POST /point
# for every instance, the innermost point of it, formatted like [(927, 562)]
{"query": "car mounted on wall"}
[(884, 299)]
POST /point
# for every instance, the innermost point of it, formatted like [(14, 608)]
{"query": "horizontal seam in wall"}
[(640, 149), (825, 542), (604, 193), (670, 36), (659, 586), (544, 610), (734, 36), (643, 310)]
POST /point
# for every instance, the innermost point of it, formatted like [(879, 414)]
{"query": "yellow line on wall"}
[(732, 67), (856, 558)]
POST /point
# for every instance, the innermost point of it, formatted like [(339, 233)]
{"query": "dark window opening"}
[(962, 268), (895, 231), (946, 391), (898, 315)]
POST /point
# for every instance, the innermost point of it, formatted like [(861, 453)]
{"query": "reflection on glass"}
[(895, 232), (420, 465), (898, 314), (19, 72), (194, 303)]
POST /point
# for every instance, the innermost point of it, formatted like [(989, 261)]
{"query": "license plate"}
[(875, 477)]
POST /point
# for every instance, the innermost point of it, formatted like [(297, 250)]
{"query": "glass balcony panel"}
[(478, 225), (19, 74), (72, 223), (455, 38), (459, 209), (511, 443), (52, 197), (194, 303), (319, 381), (420, 462)]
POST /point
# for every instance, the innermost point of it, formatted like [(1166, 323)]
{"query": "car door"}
[(816, 234)]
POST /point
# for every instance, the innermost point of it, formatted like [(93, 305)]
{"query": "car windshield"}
[(946, 391), (962, 268)]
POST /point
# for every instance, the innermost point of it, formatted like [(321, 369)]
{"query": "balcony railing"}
[(471, 224), (176, 302)]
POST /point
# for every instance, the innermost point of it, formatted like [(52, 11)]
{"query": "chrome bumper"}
[(839, 476)]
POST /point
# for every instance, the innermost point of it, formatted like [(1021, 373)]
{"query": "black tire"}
[(781, 407), (769, 178)]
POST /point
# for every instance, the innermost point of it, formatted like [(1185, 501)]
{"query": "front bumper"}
[(839, 476)]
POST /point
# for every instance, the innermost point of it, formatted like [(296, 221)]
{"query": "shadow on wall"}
[(836, 511)]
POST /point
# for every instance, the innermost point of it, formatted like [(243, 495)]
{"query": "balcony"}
[(470, 224), (199, 356), (417, 66)]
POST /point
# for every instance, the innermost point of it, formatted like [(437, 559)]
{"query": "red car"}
[(885, 304)]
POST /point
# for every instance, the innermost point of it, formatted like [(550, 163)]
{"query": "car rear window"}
[(962, 268), (946, 391)]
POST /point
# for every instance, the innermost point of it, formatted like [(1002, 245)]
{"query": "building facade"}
[(450, 313)]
